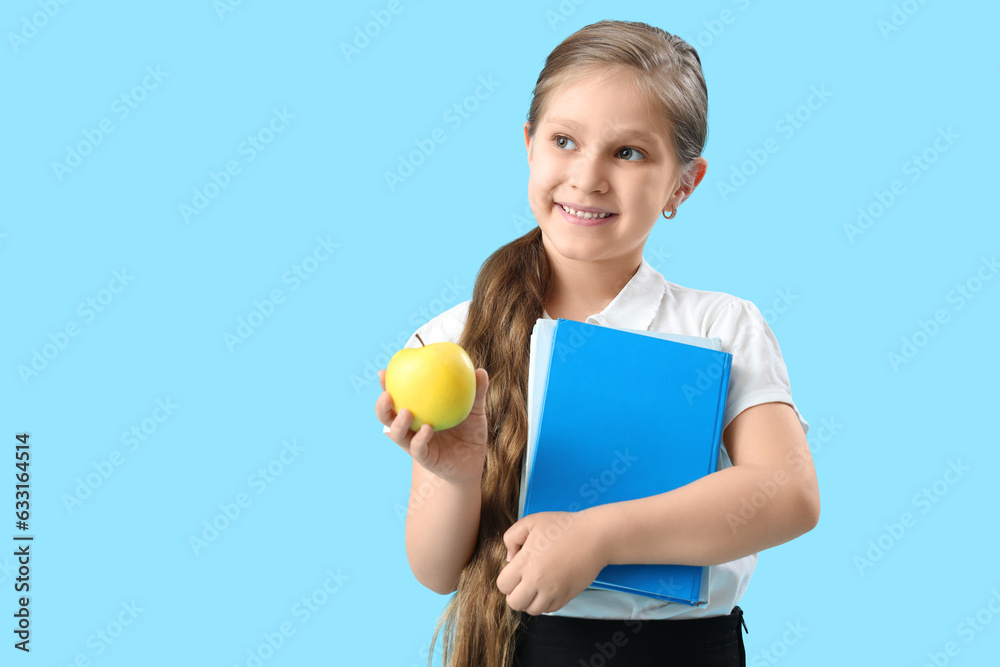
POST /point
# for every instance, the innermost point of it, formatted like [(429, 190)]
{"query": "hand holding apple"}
[(456, 455)]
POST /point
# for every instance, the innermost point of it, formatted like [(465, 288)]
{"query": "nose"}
[(588, 174)]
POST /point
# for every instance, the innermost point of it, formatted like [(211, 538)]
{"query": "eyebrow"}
[(639, 134)]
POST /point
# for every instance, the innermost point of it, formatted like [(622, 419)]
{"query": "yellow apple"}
[(436, 382)]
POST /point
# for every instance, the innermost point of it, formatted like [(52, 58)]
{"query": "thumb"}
[(482, 384)]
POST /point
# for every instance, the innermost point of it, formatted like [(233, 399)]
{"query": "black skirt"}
[(563, 641)]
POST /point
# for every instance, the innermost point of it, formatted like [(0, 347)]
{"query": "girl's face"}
[(601, 145)]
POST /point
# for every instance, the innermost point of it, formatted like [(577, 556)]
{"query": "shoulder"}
[(446, 326), (699, 312), (708, 301)]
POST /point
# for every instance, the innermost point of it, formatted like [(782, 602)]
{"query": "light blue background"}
[(405, 254)]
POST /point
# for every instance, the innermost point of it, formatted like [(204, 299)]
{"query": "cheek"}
[(544, 180), (539, 185)]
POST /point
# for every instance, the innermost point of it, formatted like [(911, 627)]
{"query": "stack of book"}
[(616, 415)]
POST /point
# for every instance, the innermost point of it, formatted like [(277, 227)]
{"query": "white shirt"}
[(758, 375)]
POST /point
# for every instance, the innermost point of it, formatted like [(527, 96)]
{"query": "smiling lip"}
[(588, 209)]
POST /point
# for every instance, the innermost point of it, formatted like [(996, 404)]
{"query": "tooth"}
[(585, 215)]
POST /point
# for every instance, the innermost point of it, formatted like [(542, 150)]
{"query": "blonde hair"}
[(663, 66), (509, 295)]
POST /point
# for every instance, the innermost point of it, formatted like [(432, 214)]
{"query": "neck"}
[(581, 288)]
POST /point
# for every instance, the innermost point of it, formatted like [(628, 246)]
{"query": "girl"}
[(614, 137)]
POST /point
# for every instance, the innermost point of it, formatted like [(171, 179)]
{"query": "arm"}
[(442, 517), (769, 496), (442, 526)]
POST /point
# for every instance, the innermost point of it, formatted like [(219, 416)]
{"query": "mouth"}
[(585, 218)]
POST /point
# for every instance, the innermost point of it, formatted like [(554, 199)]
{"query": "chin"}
[(578, 249)]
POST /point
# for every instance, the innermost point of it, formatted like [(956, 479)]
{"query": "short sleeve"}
[(758, 374)]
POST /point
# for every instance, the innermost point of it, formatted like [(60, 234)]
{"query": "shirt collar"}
[(636, 304)]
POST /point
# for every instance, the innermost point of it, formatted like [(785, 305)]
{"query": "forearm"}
[(723, 516), (442, 526)]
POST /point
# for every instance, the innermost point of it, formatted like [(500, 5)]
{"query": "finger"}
[(386, 409), (521, 598), (508, 579), (381, 378), (538, 605), (515, 536), (420, 443), (399, 430), (383, 409), (482, 384)]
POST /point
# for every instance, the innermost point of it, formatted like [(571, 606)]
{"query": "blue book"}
[(618, 414)]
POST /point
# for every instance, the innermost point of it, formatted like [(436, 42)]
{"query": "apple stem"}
[(421, 340)]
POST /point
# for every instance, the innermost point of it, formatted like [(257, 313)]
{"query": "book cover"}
[(617, 415)]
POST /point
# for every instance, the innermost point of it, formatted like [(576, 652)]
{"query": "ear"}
[(527, 140), (690, 181)]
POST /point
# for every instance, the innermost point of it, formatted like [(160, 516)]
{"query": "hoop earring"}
[(673, 212)]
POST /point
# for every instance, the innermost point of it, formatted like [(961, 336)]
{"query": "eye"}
[(560, 137), (629, 152)]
